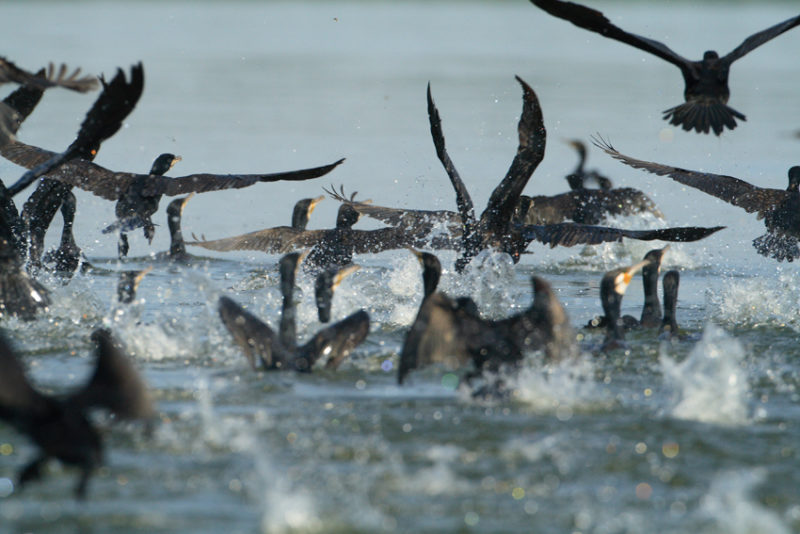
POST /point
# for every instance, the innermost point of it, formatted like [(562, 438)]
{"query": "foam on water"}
[(710, 385)]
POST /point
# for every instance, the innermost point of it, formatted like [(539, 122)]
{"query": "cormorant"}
[(128, 284), (137, 195), (104, 118), (612, 288), (177, 246), (577, 179), (326, 283), (501, 225), (332, 247), (60, 426), (278, 352), (779, 208), (706, 90), (67, 257)]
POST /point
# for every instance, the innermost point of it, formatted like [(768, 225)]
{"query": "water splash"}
[(758, 301), (710, 385)]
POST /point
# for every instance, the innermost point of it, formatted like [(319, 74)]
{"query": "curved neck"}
[(300, 217), (430, 280)]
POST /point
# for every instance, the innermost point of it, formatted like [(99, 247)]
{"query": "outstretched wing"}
[(530, 152), (278, 240), (571, 234), (758, 39), (334, 343), (116, 384), (732, 190), (595, 21), (200, 183)]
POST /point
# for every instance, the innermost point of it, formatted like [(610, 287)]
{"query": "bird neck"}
[(288, 328), (670, 285), (612, 302), (176, 244), (651, 312), (430, 280), (299, 217)]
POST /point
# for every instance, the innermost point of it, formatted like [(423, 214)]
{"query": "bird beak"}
[(174, 161), (416, 253), (344, 273), (140, 276), (185, 200), (314, 203)]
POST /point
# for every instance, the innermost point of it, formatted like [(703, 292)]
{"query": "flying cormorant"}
[(779, 208), (706, 91), (60, 426)]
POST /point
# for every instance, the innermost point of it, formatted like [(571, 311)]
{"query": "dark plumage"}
[(128, 284), (67, 257), (706, 90), (669, 324), (779, 208), (281, 352), (326, 283), (60, 426), (612, 288), (54, 77)]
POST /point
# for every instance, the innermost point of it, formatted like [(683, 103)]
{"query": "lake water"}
[(700, 436)]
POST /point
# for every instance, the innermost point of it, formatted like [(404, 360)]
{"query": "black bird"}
[(177, 246), (116, 101), (67, 257), (330, 248), (502, 226), (577, 179), (281, 352), (60, 426), (131, 210), (435, 335), (20, 295), (779, 208), (128, 284), (326, 283), (651, 311), (452, 332), (612, 288), (706, 91), (669, 324)]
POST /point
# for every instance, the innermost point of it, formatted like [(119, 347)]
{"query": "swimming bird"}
[(60, 426), (326, 283), (779, 208), (706, 81), (280, 351), (129, 283), (612, 288), (105, 117)]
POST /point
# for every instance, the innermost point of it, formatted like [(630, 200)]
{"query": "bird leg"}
[(32, 471), (122, 245)]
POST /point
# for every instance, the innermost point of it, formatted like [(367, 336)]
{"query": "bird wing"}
[(60, 77), (253, 336), (23, 100), (593, 20), (203, 182), (571, 234), (732, 190), (758, 39), (463, 200), (278, 240), (335, 342), (530, 152), (551, 209), (116, 384), (17, 396)]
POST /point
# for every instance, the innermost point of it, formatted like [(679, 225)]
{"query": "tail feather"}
[(703, 115)]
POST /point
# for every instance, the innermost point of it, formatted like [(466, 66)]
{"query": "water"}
[(699, 436)]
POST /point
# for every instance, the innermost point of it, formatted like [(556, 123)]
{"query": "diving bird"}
[(280, 351), (60, 426), (706, 91), (779, 208)]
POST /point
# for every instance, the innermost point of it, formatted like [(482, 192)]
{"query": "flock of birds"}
[(450, 332)]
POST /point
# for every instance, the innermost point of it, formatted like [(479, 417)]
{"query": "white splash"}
[(710, 384), (760, 300), (729, 504)]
